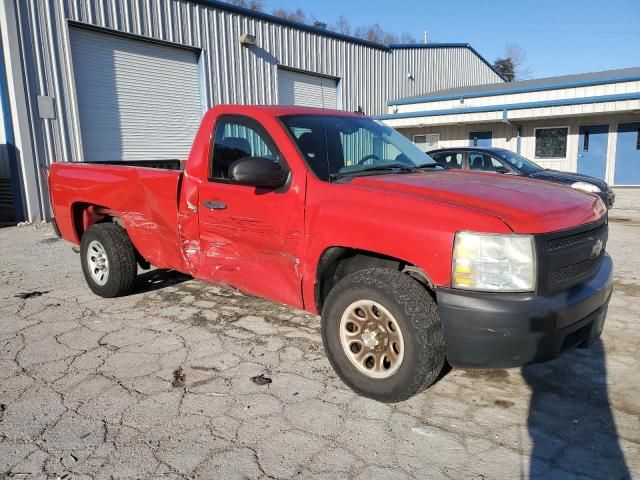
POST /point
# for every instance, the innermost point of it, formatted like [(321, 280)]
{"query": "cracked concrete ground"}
[(158, 385)]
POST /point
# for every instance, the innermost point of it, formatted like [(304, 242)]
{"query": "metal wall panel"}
[(231, 73), (415, 71), (295, 88)]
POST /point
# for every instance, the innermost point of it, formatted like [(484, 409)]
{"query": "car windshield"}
[(525, 165), (337, 146)]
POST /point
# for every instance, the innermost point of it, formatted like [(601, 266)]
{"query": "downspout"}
[(505, 120)]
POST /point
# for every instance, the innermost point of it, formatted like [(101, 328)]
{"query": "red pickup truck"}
[(411, 265)]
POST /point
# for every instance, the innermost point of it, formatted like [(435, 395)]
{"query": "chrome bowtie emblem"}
[(597, 248)]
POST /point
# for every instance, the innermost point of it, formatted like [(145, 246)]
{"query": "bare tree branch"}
[(518, 56), (373, 33), (255, 5), (296, 15), (342, 25)]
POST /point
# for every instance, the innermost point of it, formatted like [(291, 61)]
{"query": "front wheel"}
[(108, 260), (382, 334)]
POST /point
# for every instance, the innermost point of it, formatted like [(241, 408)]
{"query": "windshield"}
[(525, 165), (336, 146)]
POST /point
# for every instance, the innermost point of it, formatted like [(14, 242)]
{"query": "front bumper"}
[(502, 330)]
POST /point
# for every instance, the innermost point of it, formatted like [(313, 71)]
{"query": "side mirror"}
[(258, 172), (502, 169)]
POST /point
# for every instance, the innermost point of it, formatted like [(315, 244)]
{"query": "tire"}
[(393, 301), (111, 247)]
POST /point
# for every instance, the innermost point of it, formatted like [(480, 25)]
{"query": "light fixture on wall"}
[(248, 40)]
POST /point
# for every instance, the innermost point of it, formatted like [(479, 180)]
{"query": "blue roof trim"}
[(505, 91), (512, 106), (404, 46)]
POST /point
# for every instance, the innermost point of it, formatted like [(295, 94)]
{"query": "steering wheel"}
[(368, 157)]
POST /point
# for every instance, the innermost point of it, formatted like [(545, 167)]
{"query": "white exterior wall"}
[(505, 136), (458, 135)]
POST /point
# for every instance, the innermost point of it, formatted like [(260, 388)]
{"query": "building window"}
[(551, 142), (427, 142)]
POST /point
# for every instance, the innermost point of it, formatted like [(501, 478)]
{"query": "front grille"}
[(570, 257), (563, 274), (568, 241)]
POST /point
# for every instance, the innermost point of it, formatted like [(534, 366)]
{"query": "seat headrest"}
[(308, 144), (241, 145)]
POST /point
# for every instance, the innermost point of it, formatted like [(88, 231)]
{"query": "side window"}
[(437, 157), (483, 162), (451, 160), (235, 138)]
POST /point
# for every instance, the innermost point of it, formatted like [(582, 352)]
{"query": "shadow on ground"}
[(570, 419), (158, 279)]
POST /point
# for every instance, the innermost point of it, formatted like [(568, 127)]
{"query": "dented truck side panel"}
[(144, 199)]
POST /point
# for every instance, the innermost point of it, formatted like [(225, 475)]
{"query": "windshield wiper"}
[(380, 168)]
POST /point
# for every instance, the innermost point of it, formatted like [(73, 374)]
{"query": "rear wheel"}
[(382, 334), (108, 260)]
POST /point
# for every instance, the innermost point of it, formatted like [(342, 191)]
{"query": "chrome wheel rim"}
[(371, 339), (98, 262)]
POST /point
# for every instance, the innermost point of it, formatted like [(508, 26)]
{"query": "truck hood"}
[(525, 205)]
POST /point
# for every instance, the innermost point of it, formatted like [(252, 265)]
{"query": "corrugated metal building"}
[(129, 79), (589, 123)]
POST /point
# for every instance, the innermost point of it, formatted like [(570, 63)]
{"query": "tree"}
[(504, 66), (255, 5), (518, 56), (373, 33), (406, 37), (342, 25), (296, 15), (512, 65)]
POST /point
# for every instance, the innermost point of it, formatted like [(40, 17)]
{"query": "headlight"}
[(586, 187), (494, 262)]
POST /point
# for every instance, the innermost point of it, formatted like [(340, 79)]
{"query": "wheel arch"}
[(336, 262), (83, 215)]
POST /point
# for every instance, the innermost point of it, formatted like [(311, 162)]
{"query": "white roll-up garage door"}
[(307, 90), (137, 100)]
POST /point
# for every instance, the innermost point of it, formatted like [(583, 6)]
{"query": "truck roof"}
[(281, 110)]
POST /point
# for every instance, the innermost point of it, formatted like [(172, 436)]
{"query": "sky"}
[(559, 37)]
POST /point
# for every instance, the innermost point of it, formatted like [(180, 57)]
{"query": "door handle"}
[(212, 205)]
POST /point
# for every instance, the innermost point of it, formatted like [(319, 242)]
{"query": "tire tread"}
[(122, 262), (419, 308)]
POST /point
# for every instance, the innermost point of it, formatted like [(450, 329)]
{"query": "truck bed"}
[(144, 198), (160, 164)]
